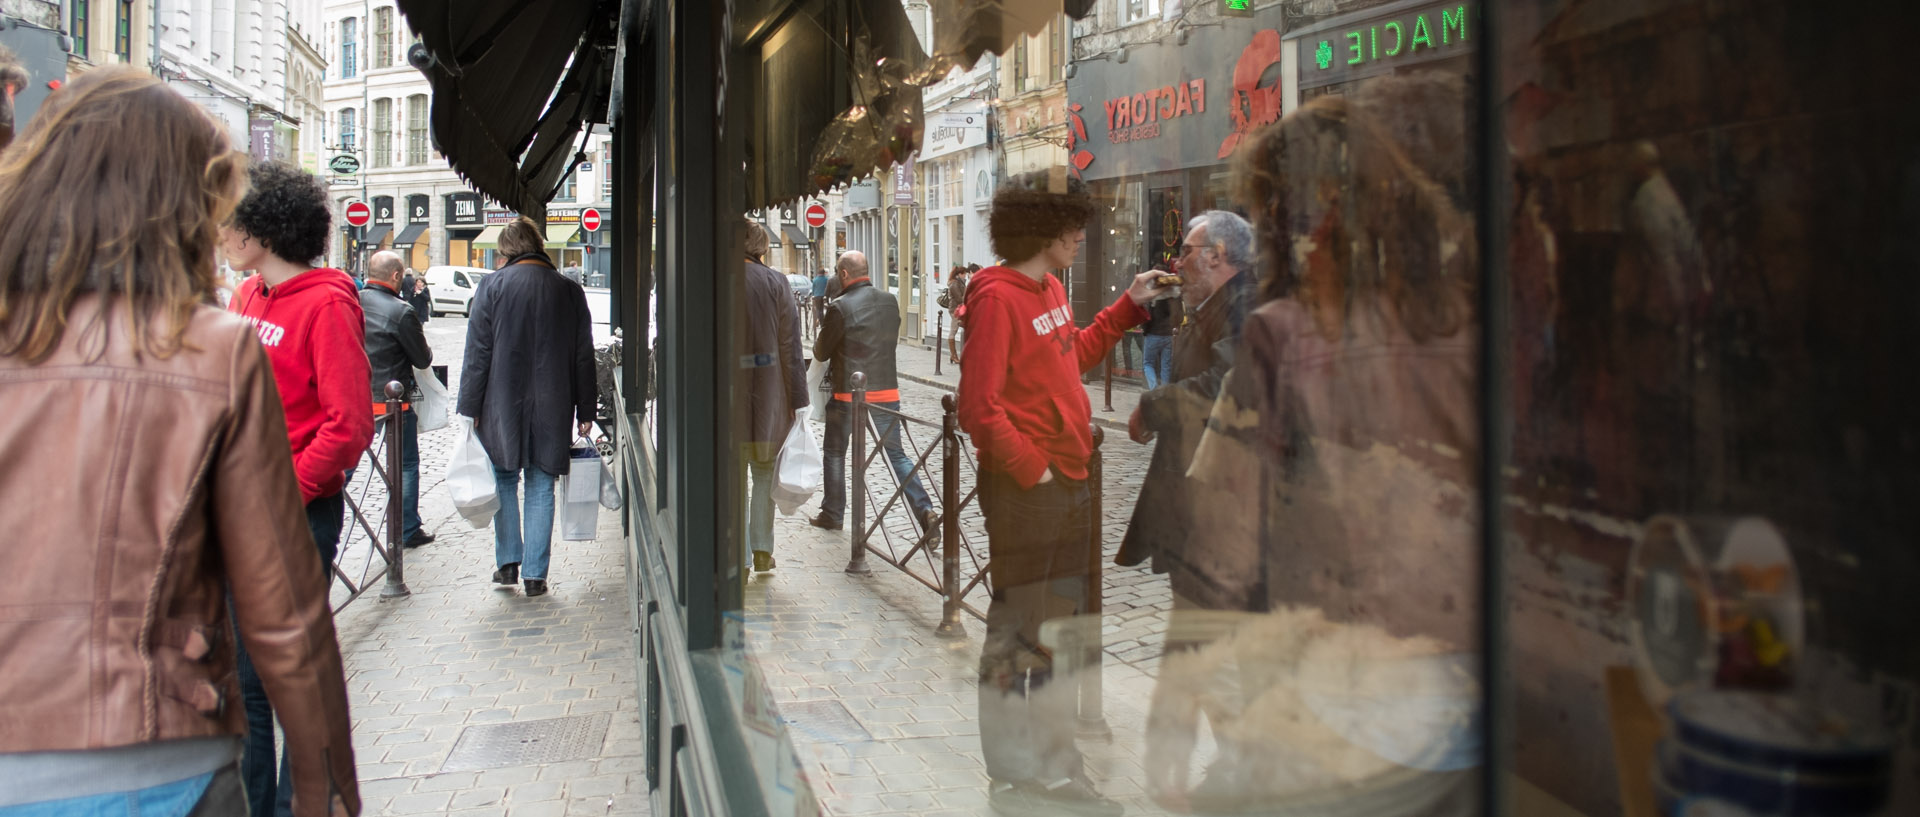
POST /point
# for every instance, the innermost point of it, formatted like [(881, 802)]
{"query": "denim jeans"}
[(529, 544), (833, 506), (760, 459), (409, 475), (216, 793), (1158, 360), (325, 516)]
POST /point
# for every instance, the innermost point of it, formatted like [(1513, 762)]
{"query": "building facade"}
[(232, 58), (955, 183)]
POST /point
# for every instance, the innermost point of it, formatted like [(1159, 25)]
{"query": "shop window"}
[(954, 181)]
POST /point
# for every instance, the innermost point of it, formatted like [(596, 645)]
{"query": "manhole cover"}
[(824, 722), (528, 743)]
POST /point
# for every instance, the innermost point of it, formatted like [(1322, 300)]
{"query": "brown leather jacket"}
[(137, 490)]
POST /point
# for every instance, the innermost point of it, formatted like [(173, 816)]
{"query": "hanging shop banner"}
[(1176, 106)]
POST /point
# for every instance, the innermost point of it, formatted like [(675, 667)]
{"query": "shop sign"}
[(903, 182), (1341, 51), (416, 209), (570, 215), (463, 209), (1176, 108), (954, 131), (496, 215), (383, 209)]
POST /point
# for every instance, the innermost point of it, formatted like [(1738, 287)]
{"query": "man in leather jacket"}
[(396, 345), (860, 333)]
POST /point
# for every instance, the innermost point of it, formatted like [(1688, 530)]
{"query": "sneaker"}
[(821, 521), (536, 587), (507, 574), (762, 561), (1032, 797)]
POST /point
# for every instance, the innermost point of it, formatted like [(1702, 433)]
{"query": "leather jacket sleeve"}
[(279, 589), (413, 339)]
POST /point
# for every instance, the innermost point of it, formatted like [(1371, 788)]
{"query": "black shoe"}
[(418, 539), (930, 522), (822, 521), (762, 561), (1034, 798), (509, 574), (536, 587)]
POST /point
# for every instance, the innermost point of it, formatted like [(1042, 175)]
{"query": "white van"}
[(452, 287)]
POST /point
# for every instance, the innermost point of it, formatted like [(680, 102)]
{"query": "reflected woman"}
[(1335, 485)]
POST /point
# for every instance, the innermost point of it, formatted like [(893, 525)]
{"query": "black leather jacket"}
[(860, 333), (396, 344)]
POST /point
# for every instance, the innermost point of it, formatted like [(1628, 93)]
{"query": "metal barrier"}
[(393, 553), (961, 569)]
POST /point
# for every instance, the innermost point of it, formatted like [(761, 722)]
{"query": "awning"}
[(558, 234), (409, 235), (489, 237), (375, 234), (794, 236), (509, 118)]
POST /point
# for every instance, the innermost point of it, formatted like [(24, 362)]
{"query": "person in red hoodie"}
[(1022, 403), (310, 321)]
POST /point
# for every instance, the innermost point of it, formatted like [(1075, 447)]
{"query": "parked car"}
[(801, 285), (452, 287)]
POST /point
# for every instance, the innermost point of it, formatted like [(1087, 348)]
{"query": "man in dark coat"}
[(776, 385), (527, 380), (413, 290), (1216, 261)]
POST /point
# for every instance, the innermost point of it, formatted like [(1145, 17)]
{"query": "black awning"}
[(513, 82), (794, 236), (374, 234), (409, 235)]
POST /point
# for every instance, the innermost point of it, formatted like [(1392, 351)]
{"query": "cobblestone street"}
[(476, 701)]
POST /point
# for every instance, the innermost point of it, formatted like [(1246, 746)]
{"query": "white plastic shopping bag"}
[(609, 488), (800, 470), (470, 478), (431, 408), (580, 496), (816, 385)]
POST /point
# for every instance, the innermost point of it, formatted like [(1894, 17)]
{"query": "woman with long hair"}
[(147, 472)]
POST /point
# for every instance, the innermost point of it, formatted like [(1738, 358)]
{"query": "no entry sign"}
[(816, 216), (358, 214), (590, 220)]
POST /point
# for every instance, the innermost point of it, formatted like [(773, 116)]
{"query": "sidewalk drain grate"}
[(528, 743), (824, 722)]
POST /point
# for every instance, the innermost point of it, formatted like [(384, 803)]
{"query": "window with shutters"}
[(383, 133), (383, 37), (349, 48), (417, 129)]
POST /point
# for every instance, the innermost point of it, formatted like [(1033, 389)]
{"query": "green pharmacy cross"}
[(1323, 56), (1236, 8)]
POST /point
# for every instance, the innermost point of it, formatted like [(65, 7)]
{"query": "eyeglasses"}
[(1187, 248)]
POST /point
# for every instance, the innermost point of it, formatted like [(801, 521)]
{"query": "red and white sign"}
[(816, 216), (590, 220), (358, 214)]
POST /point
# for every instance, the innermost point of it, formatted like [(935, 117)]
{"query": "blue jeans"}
[(1158, 360), (213, 793), (760, 460), (531, 547), (325, 516), (409, 475), (833, 506)]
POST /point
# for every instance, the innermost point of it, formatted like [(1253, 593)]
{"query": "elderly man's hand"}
[(1137, 428)]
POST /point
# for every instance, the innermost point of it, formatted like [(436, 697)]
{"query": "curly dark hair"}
[(1034, 209), (286, 209)]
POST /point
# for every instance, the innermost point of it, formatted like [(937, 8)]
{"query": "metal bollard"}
[(1109, 375), (1093, 718), (950, 626), (939, 346), (856, 462), (396, 584)]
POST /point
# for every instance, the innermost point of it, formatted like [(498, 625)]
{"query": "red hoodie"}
[(1020, 393), (315, 336)]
